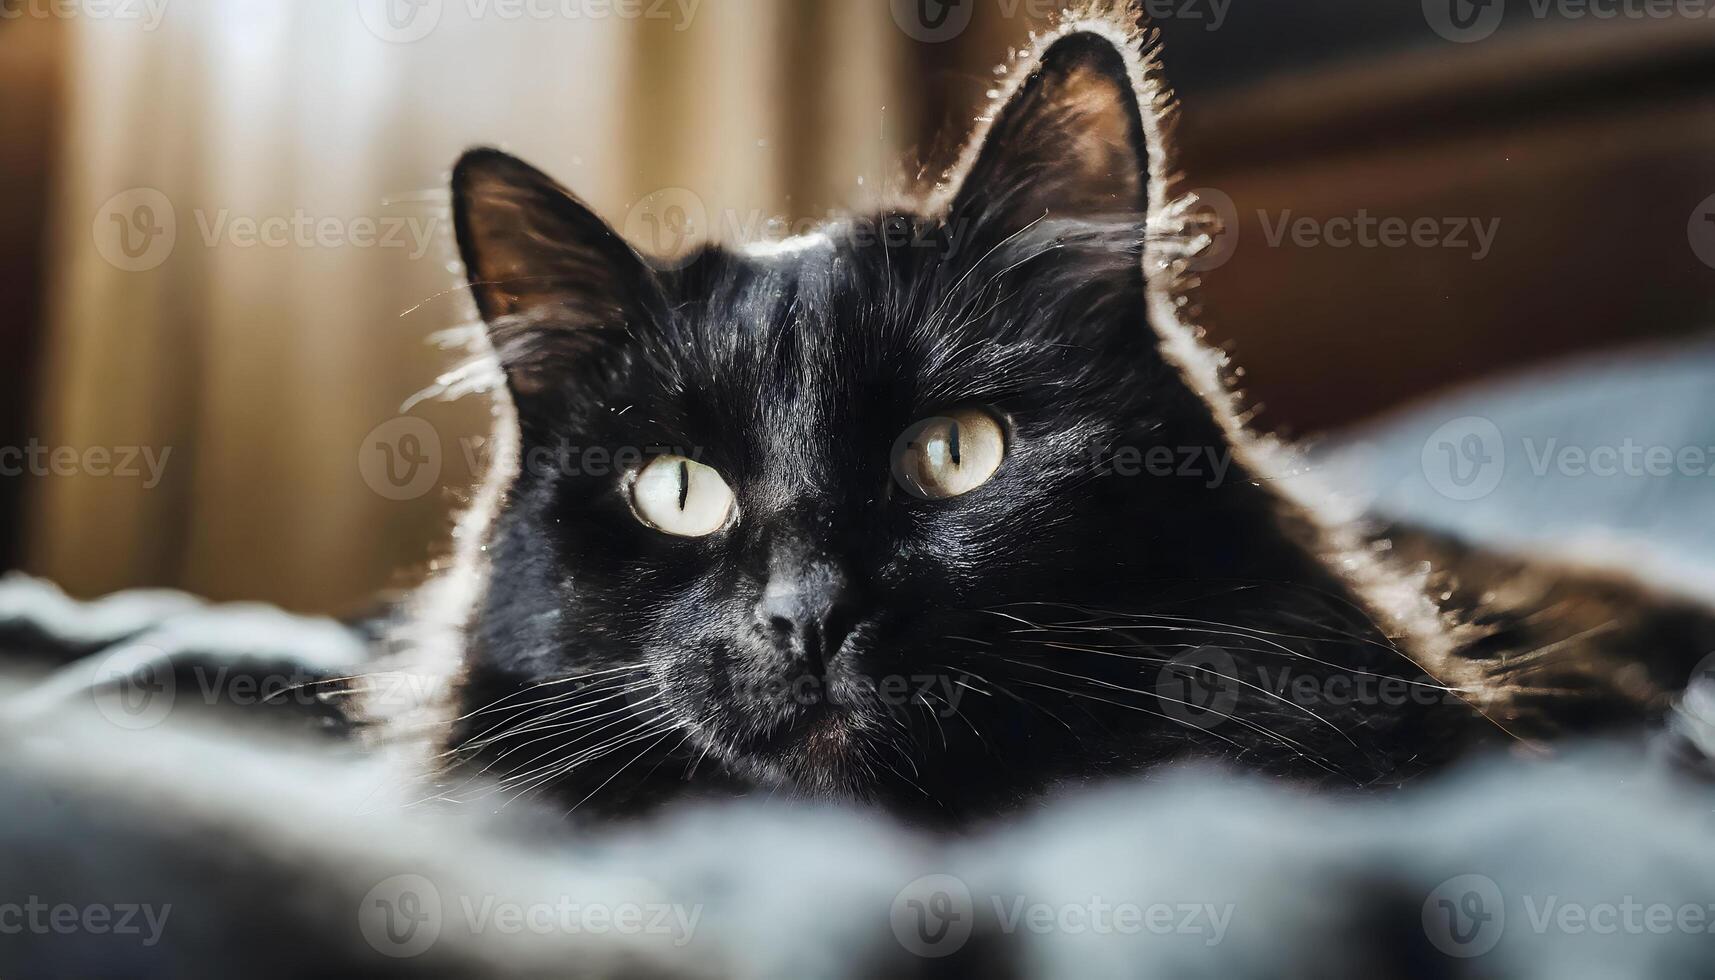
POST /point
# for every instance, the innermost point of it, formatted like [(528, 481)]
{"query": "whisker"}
[(646, 750), (1302, 750), (1241, 682)]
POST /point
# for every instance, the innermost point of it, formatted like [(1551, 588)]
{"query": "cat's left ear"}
[(1069, 143), (554, 283)]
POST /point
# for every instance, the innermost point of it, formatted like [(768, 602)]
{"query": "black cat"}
[(945, 507), (918, 542)]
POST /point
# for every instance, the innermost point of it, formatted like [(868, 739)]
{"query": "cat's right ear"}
[(1070, 141), (553, 282)]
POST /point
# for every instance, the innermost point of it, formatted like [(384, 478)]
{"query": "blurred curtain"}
[(252, 249), (32, 54), (269, 376)]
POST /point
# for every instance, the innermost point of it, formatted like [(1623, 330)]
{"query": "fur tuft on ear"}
[(552, 280)]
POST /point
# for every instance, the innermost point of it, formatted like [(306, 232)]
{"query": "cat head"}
[(913, 509)]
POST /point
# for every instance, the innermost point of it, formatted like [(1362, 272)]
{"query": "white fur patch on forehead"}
[(784, 247)]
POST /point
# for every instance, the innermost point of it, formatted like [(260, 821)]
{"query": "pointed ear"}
[(553, 282), (1069, 143)]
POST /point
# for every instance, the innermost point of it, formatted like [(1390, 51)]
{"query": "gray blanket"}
[(176, 853)]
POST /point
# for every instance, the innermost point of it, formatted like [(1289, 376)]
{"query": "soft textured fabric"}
[(226, 859), (1659, 398)]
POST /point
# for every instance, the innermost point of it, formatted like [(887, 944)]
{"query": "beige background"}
[(261, 368)]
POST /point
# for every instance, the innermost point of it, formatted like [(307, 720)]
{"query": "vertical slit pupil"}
[(953, 442), (684, 483)]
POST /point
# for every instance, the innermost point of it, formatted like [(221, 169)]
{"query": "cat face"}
[(852, 517)]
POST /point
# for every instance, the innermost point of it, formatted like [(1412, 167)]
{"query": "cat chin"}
[(824, 738), (829, 753)]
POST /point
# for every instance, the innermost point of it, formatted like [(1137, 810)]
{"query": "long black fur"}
[(1057, 624)]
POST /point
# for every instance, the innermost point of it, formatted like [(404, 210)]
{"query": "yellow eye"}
[(946, 456), (681, 497)]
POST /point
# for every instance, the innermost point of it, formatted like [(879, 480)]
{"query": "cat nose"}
[(808, 609)]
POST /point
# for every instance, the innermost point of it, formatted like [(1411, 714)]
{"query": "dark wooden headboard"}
[(1591, 142)]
